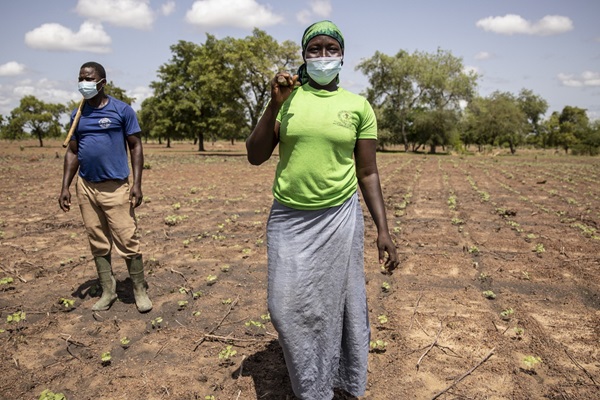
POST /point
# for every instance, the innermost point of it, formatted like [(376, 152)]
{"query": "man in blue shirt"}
[(98, 150)]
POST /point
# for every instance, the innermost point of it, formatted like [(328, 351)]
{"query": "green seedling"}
[(383, 319), (176, 206), (473, 250), (47, 394), (125, 342), (266, 317), (526, 276), (488, 294), (156, 322), (539, 248), (531, 362), (106, 358), (519, 332), (196, 295), (15, 317), (209, 397), (227, 353), (255, 324), (227, 301), (196, 313), (507, 314), (182, 304), (457, 221), (385, 287), (183, 290), (225, 268), (66, 303), (186, 243), (377, 346), (483, 277), (6, 281), (211, 280)]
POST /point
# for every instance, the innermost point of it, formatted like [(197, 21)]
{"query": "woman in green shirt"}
[(327, 139)]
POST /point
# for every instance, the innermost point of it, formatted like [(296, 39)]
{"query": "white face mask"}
[(88, 89), (323, 69)]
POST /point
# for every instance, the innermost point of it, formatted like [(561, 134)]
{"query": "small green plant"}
[(531, 362), (196, 295), (106, 358), (196, 313), (147, 166), (209, 397), (256, 324), (66, 303), (6, 281), (526, 276), (539, 248), (47, 394), (519, 332), (385, 287), (377, 346), (173, 220), (156, 322), (125, 342), (227, 301), (457, 221), (488, 294), (473, 250), (225, 268), (452, 202), (182, 304), (507, 314), (176, 206), (484, 277), (266, 317), (186, 243), (16, 317), (383, 319), (227, 353), (211, 280)]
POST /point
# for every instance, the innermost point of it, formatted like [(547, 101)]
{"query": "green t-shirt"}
[(317, 137)]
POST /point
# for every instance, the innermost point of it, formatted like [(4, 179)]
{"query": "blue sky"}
[(551, 47)]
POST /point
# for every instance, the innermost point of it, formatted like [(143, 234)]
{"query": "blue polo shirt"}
[(101, 135)]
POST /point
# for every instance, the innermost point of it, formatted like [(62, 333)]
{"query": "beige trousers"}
[(108, 217)]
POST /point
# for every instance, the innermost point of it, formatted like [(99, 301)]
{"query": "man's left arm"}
[(134, 142)]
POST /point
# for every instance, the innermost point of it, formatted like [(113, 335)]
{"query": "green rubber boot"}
[(107, 282), (135, 266)]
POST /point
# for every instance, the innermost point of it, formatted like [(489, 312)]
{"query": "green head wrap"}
[(322, 28), (318, 28)]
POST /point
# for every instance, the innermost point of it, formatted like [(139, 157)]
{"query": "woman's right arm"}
[(265, 136)]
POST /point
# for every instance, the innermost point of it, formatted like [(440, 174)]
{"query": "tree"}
[(495, 120), (534, 108), (113, 90), (218, 89), (407, 85), (34, 117), (574, 127)]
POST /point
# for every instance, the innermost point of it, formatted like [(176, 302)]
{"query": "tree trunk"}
[(432, 149), (40, 139), (201, 141)]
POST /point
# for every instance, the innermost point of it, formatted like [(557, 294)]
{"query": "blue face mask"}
[(88, 89), (323, 70)]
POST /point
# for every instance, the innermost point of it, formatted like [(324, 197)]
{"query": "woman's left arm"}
[(368, 180)]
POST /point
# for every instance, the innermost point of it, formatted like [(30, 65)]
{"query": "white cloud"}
[(168, 8), (318, 9), (127, 13), (483, 55), (512, 24), (11, 68), (140, 94), (587, 78), (469, 69), (246, 14), (55, 37)]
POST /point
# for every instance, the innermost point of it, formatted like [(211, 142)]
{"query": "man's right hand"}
[(64, 201)]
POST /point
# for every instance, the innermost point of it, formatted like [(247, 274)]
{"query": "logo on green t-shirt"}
[(345, 119)]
